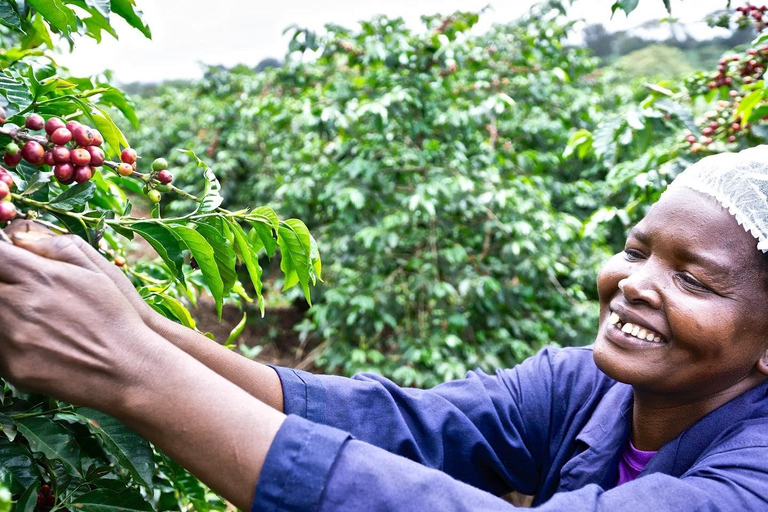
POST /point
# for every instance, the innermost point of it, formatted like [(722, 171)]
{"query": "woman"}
[(668, 411)]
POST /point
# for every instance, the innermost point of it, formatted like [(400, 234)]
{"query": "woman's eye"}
[(633, 255), (692, 282)]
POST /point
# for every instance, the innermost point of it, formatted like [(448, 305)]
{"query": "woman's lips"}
[(637, 331)]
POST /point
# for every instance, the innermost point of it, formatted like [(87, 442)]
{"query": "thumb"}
[(64, 248)]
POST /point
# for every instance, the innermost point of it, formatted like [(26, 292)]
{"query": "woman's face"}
[(689, 282)]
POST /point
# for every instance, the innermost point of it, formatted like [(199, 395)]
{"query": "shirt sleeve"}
[(313, 467), (469, 429)]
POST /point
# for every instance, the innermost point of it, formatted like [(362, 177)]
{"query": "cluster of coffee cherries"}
[(45, 499), (73, 152), (750, 12), (719, 122), (71, 149)]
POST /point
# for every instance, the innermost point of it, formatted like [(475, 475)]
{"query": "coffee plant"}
[(67, 167)]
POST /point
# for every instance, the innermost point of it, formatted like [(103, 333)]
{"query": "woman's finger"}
[(66, 248)]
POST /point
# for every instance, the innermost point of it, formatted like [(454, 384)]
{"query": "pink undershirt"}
[(632, 463)]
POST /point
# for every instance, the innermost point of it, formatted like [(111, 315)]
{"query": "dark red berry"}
[(80, 156), (4, 190), (72, 125), (64, 172), (53, 124), (48, 158), (7, 211), (97, 155), (128, 156), (164, 177), (12, 160), (60, 154), (35, 122), (61, 136), (83, 135), (98, 140), (83, 173), (32, 152)]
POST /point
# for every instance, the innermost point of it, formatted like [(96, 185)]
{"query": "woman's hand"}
[(60, 320), (257, 379)]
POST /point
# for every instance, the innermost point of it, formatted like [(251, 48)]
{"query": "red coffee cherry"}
[(53, 124), (12, 160), (128, 156), (35, 122), (4, 190), (83, 135), (61, 136), (80, 156), (98, 140), (119, 261), (48, 159), (64, 172), (60, 154), (83, 173), (97, 155), (5, 177), (164, 177), (33, 152), (7, 211), (72, 125)]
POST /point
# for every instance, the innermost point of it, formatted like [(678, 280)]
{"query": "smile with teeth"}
[(633, 330)]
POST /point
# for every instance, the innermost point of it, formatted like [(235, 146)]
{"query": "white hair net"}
[(738, 181)]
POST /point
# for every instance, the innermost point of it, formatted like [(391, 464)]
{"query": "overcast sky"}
[(186, 33)]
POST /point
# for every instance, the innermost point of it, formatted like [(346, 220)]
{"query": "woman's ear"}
[(762, 363)]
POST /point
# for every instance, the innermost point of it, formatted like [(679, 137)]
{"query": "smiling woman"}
[(668, 411)]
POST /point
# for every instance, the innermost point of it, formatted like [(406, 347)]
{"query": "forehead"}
[(695, 225)]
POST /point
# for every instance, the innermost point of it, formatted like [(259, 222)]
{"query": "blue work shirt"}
[(553, 427)]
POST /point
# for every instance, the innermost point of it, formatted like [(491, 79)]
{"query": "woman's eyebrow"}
[(712, 265)]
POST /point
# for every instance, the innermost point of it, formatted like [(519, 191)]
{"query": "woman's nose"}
[(641, 287)]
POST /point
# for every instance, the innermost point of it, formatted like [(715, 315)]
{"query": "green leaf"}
[(212, 195), (116, 98), (162, 240), (102, 6), (8, 426), (131, 451), (112, 134), (28, 501), (223, 253), (57, 14), (52, 440), (38, 181), (74, 196), (238, 329), (251, 260), (106, 500), (203, 254), (15, 91), (179, 311), (295, 248), (748, 104), (19, 464), (126, 9), (625, 5), (8, 14)]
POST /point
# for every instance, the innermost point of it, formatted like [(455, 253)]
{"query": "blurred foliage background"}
[(464, 186)]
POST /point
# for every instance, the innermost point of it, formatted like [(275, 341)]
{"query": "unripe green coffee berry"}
[(12, 148), (159, 164), (163, 188), (154, 196)]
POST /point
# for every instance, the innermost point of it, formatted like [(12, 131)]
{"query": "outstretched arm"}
[(68, 332), (255, 378)]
